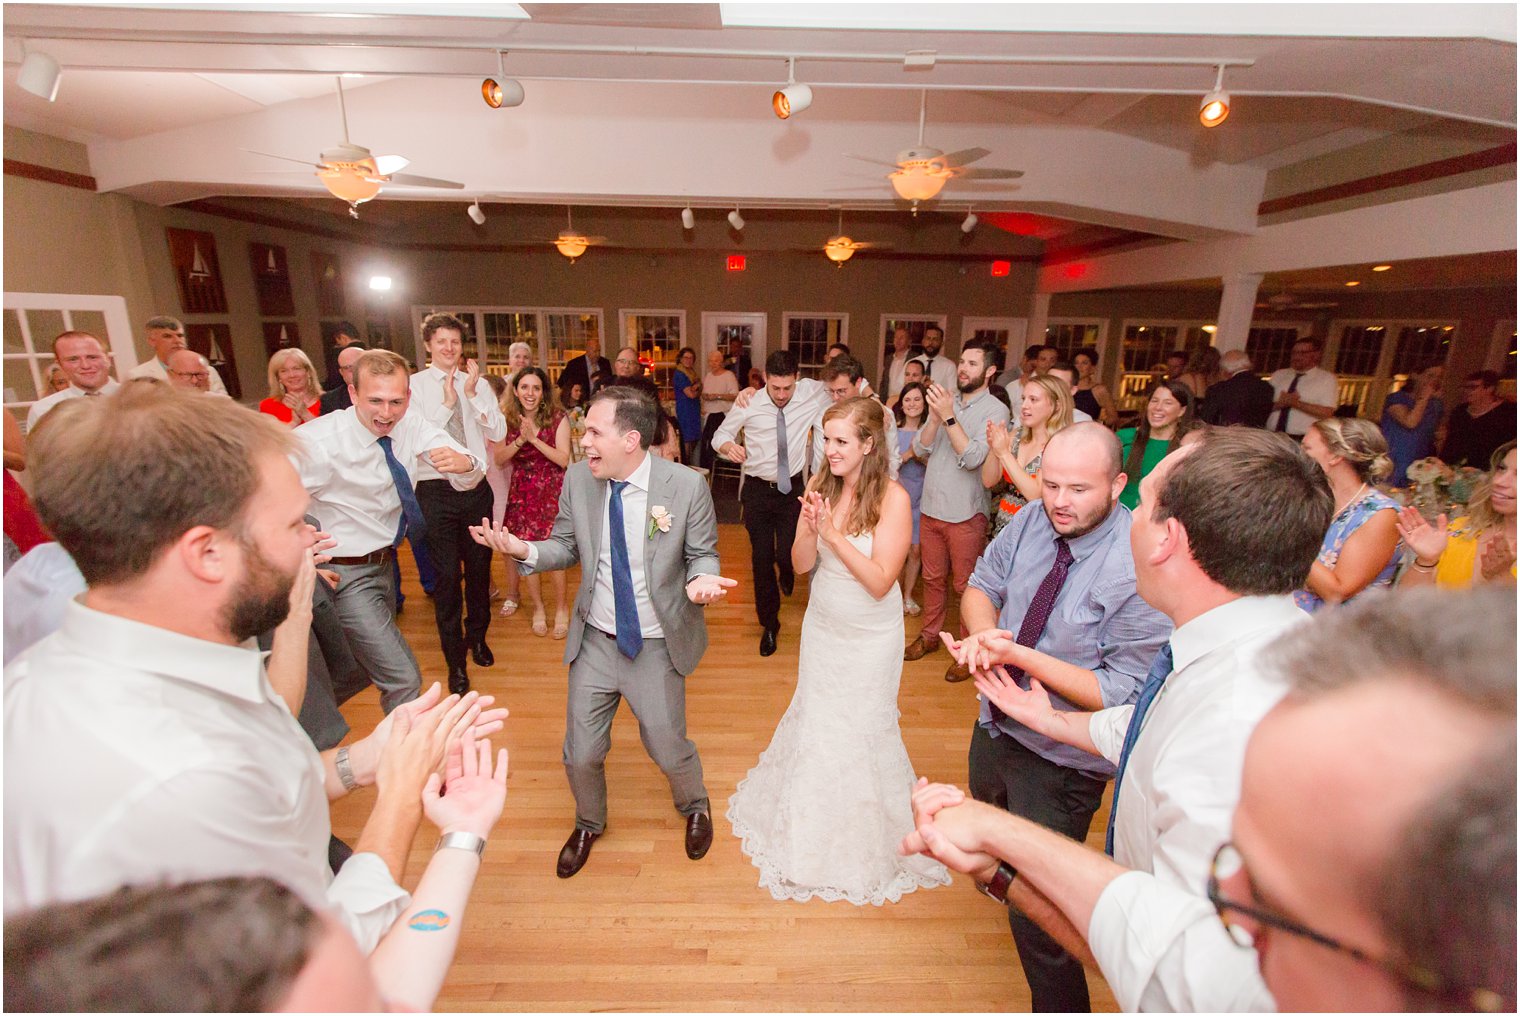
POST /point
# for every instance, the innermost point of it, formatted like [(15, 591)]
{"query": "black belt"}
[(374, 557), (772, 484)]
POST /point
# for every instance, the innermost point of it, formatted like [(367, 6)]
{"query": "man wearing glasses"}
[(166, 335), (189, 369), (1223, 533)]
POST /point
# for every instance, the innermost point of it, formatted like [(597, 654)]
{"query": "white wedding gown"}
[(824, 810)]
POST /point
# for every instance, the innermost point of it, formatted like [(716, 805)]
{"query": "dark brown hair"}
[(1134, 465)]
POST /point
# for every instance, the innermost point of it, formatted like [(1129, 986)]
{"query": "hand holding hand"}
[(1032, 708), (471, 378), (944, 829), (472, 797), (1428, 542), (447, 460), (709, 588), (980, 650), (496, 536)]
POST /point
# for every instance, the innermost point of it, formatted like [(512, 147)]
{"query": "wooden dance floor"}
[(641, 927)]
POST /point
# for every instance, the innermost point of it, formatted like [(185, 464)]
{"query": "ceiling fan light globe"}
[(916, 184), (839, 253), (571, 246), (349, 182), (1214, 109)]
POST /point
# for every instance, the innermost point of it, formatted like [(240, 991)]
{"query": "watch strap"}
[(345, 770), (461, 841), (997, 888)]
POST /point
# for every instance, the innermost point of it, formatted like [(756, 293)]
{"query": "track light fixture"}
[(735, 219), (476, 213), (1215, 107), (39, 74), (688, 220), (501, 90), (970, 222), (794, 98)]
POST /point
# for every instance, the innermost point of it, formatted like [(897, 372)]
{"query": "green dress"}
[(1155, 451)]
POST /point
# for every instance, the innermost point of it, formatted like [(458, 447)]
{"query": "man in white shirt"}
[(467, 411), (360, 467), (938, 366), (144, 741), (892, 379), (84, 362), (165, 336), (1224, 532), (189, 369), (1305, 393)]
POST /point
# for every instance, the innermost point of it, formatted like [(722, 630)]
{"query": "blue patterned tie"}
[(411, 512), (783, 463), (630, 638), (1160, 669)]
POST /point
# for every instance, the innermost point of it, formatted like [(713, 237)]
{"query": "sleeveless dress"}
[(1347, 521), (823, 812), (533, 498), (911, 475), (1086, 401)]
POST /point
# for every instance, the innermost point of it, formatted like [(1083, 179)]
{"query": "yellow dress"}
[(1457, 568)]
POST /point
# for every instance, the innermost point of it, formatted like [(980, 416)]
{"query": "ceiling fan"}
[(840, 248), (1286, 301), (571, 242), (354, 174), (919, 172)]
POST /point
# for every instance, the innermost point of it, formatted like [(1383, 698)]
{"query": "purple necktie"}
[(1038, 613), (1282, 414)]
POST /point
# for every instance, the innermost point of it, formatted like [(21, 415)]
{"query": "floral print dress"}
[(533, 498)]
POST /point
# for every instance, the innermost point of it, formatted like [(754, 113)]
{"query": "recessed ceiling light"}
[(1353, 282), (1381, 268)]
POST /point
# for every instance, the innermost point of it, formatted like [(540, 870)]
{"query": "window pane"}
[(1145, 346), (1361, 345), (568, 333), (1269, 348), (1069, 338), (19, 386), (45, 326), (1420, 347), (811, 337), (504, 328), (657, 337), (14, 342)]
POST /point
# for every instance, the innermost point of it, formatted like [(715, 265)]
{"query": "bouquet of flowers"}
[(1440, 488)]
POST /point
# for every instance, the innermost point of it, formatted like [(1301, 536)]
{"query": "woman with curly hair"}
[(538, 446)]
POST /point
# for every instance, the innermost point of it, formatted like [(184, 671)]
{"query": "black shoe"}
[(482, 655), (787, 583), (698, 835), (576, 851), (459, 681), (768, 641)]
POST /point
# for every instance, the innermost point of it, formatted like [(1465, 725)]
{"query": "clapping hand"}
[(941, 402), (1496, 557), (999, 437), (471, 382), (496, 536), (450, 396), (1428, 542), (468, 796)]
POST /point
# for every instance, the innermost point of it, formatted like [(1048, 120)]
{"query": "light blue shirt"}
[(1099, 622)]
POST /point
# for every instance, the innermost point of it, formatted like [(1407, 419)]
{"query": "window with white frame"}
[(1420, 346), (658, 335), (33, 320), (1145, 347), (809, 336), (1269, 346), (1068, 335)]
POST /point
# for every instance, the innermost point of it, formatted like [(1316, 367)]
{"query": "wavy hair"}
[(1134, 465), (548, 406), (867, 416)]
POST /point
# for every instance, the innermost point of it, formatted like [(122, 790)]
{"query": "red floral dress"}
[(533, 499)]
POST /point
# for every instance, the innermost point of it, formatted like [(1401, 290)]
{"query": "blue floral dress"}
[(1347, 521)]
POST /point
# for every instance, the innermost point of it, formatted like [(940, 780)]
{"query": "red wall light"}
[(1000, 269), (736, 262)]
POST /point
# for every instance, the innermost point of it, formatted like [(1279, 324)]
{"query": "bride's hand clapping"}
[(824, 519), (808, 520)]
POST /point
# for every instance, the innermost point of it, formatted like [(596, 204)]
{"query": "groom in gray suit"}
[(644, 531)]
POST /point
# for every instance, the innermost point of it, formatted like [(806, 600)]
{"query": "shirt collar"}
[(365, 435), (639, 478), (1084, 545), (961, 402), (237, 671), (1235, 621)]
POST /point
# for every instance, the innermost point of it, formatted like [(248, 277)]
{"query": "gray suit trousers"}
[(600, 678)]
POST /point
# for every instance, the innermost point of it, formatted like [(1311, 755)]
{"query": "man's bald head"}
[(189, 369), (1091, 442)]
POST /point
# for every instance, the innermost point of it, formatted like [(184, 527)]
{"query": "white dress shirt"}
[(135, 755), (482, 416), (895, 369), (1174, 808), (37, 589), (343, 468), (156, 368), (758, 421), (42, 408), (636, 520), (1316, 387), (941, 370)]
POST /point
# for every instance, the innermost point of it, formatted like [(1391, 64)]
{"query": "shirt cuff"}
[(531, 561), (367, 899), (1107, 728)]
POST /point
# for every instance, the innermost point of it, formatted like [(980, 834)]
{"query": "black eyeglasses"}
[(1228, 861)]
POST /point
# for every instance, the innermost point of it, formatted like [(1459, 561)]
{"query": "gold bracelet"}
[(1417, 566)]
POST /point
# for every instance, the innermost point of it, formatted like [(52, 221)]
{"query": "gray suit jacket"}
[(670, 559)]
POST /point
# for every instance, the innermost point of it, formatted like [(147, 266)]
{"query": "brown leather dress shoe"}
[(698, 835), (575, 852), (958, 672), (920, 647)]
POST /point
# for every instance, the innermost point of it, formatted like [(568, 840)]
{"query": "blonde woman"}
[(538, 447), (1013, 451), (295, 396), (823, 811), (1358, 552), (1479, 546)]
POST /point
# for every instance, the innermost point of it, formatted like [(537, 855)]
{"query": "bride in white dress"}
[(823, 812)]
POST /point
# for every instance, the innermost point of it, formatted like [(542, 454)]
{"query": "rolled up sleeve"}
[(1128, 643), (1107, 728), (366, 899)]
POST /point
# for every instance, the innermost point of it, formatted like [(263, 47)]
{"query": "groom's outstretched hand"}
[(707, 588), (495, 535)]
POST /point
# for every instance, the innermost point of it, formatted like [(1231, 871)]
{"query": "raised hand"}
[(471, 378), (496, 536), (1428, 542), (824, 520), (708, 588), (941, 402), (1496, 558), (999, 437), (808, 519), (450, 396), (471, 798)]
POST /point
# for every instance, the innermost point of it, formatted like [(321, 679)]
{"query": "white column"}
[(1039, 317), (1236, 307)]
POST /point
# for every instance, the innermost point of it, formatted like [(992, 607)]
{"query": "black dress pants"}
[(1007, 774), (449, 513), (771, 518)]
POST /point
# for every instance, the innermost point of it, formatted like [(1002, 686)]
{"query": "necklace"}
[(1349, 501)]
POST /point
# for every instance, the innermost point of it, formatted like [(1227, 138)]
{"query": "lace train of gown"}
[(824, 810)]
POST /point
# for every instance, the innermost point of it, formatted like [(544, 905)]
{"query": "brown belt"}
[(375, 557)]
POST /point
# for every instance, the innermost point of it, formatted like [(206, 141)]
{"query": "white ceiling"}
[(665, 104)]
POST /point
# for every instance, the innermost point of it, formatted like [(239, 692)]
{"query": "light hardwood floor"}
[(644, 928)]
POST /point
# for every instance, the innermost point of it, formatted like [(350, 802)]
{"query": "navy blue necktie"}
[(411, 512), (1160, 669), (630, 637)]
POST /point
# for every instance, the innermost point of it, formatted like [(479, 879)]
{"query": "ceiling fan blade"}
[(389, 165), (989, 174), (874, 162), (412, 180), (283, 158), (963, 156)]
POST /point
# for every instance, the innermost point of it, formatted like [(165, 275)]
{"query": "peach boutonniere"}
[(659, 520)]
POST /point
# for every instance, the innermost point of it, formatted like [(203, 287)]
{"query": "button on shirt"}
[(1099, 623), (41, 409), (138, 754), (758, 421), (636, 521), (343, 468), (1317, 387), (482, 415), (1174, 810), (953, 490)]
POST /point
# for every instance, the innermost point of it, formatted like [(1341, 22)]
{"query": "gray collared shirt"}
[(1099, 622), (953, 490)]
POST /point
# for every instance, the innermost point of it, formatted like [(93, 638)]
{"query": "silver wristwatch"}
[(462, 841)]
